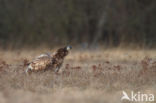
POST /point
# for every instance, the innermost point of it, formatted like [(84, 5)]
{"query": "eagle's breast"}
[(57, 62)]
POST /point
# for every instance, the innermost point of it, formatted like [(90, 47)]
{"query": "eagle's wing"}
[(41, 62), (43, 55)]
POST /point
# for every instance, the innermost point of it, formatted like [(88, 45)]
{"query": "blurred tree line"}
[(55, 22)]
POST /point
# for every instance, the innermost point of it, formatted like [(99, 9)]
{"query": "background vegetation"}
[(84, 22), (85, 77)]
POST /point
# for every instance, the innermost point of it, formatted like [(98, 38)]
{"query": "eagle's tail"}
[(28, 70)]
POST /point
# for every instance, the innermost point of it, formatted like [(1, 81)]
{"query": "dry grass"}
[(86, 77)]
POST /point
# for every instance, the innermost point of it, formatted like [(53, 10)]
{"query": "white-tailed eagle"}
[(49, 61)]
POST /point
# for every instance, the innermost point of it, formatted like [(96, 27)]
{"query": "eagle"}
[(49, 61)]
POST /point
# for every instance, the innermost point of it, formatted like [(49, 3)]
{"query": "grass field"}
[(90, 76)]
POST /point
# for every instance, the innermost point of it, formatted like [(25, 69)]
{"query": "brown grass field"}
[(90, 76)]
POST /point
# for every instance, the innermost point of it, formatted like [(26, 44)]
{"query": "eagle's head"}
[(62, 52), (68, 47)]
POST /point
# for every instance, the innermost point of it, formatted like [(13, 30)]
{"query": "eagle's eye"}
[(69, 47)]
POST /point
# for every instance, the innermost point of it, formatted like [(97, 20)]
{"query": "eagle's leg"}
[(58, 68)]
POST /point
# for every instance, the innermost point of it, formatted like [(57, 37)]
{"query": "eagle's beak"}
[(69, 47)]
